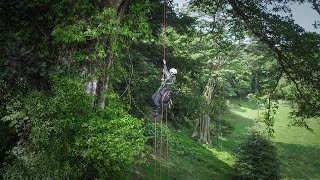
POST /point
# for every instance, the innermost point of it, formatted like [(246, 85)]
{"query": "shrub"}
[(67, 139), (256, 158)]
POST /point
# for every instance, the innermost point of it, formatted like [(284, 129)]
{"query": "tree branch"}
[(264, 38), (316, 5)]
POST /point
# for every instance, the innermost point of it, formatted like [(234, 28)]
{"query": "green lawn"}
[(298, 148), (190, 160)]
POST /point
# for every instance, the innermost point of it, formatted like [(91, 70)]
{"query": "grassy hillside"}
[(298, 148), (189, 159)]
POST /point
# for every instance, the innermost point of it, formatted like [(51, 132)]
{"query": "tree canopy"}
[(77, 77), (295, 50)]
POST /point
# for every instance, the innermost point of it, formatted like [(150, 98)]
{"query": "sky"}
[(303, 14)]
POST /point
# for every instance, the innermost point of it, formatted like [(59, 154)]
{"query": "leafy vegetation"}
[(77, 77), (296, 147), (63, 137), (256, 158)]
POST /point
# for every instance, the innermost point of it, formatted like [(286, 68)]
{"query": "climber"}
[(164, 91)]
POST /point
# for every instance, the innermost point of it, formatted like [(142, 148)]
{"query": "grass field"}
[(298, 148), (189, 160)]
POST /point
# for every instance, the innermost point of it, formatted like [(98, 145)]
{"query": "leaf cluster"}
[(257, 158), (61, 135)]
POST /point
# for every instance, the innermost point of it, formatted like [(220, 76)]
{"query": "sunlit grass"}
[(295, 135), (298, 148), (190, 160)]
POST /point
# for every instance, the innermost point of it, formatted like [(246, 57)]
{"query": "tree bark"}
[(202, 128), (101, 82)]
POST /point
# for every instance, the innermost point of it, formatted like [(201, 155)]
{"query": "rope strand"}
[(164, 57), (164, 29), (161, 116), (167, 141), (155, 149)]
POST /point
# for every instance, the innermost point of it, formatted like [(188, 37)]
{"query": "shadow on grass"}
[(298, 162), (188, 160), (239, 125), (243, 104), (200, 164), (195, 161)]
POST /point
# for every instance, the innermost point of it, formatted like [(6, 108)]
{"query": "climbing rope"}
[(161, 116), (155, 148), (164, 29), (167, 148)]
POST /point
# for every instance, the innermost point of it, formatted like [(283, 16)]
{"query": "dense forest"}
[(77, 76)]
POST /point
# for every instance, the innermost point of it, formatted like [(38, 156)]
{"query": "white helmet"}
[(173, 71)]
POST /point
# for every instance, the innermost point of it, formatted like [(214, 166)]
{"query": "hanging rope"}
[(155, 148), (167, 149), (221, 104), (164, 57), (161, 116), (164, 29)]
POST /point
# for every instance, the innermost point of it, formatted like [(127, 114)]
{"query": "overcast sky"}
[(303, 14)]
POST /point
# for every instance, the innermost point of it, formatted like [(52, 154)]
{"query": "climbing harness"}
[(165, 91)]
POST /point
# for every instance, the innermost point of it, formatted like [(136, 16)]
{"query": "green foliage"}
[(26, 49), (91, 33), (47, 127), (8, 140), (287, 42), (184, 113), (61, 136), (181, 22), (114, 142), (257, 158)]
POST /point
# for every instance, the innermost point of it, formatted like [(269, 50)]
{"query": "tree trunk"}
[(99, 85), (202, 128)]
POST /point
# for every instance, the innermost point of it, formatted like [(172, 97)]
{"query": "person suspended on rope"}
[(162, 95)]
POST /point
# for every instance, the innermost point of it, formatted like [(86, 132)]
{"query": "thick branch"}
[(263, 37), (122, 9)]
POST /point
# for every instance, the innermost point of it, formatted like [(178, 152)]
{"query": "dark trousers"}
[(156, 97), (160, 96)]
